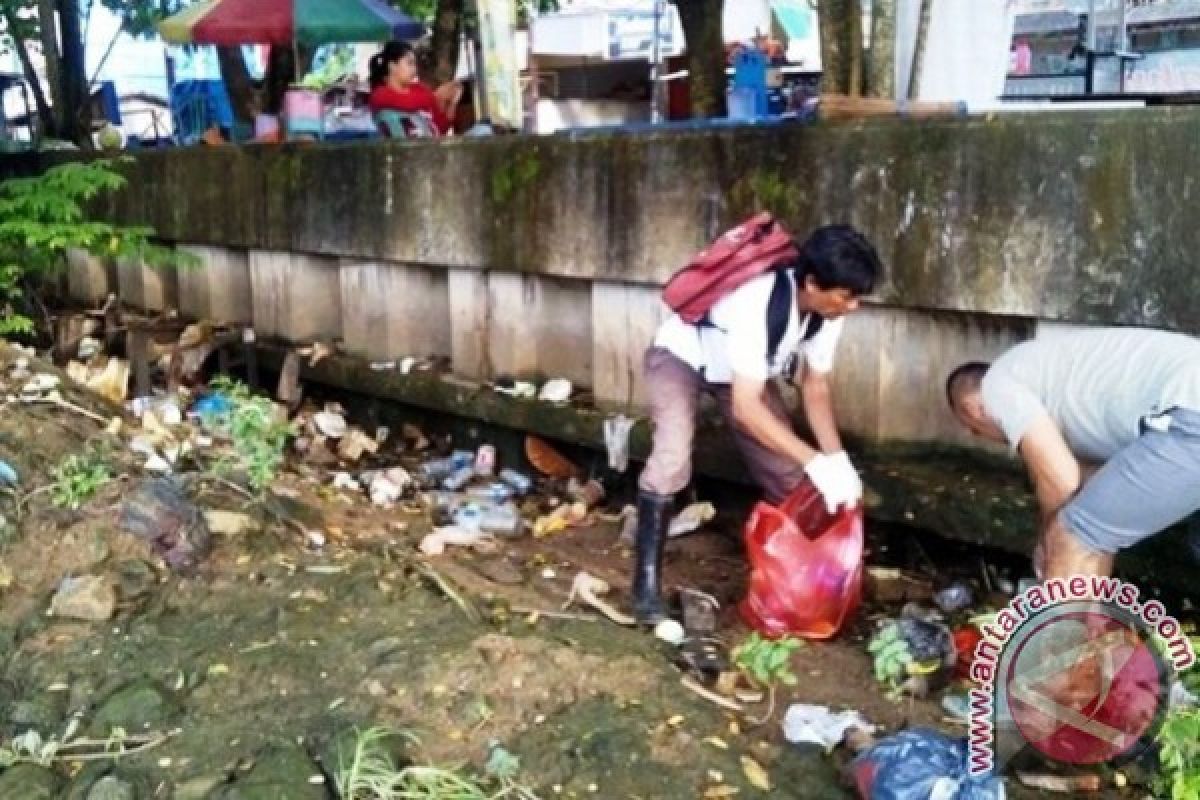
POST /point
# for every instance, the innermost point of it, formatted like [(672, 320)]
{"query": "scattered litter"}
[(459, 478), (521, 483), (386, 487), (700, 611), (330, 424), (158, 512), (383, 366), (548, 461), (755, 773), (414, 438), (628, 519), (39, 386), (354, 444), (966, 640), (565, 516), (485, 461), (920, 764), (691, 519), (89, 347), (519, 389), (888, 586), (670, 632), (229, 523), (616, 440), (344, 480), (315, 539), (8, 475), (818, 725), (1067, 784), (211, 406), (588, 588), (954, 598), (317, 352), (503, 520), (434, 544), (110, 380), (908, 651), (958, 706), (556, 391), (407, 364)]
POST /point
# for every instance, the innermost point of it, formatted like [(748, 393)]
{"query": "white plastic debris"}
[(670, 632), (386, 487), (344, 480), (157, 463), (331, 424), (407, 364), (819, 725), (38, 386), (522, 389), (616, 439), (434, 544), (556, 391), (89, 347), (691, 519)]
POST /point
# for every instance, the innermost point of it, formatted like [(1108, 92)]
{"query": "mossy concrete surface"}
[(1078, 217)]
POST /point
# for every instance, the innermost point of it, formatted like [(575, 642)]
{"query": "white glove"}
[(854, 481), (835, 479)]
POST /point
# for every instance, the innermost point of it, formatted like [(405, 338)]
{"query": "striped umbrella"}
[(310, 22)]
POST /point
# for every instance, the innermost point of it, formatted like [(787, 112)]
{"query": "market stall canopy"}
[(310, 22)]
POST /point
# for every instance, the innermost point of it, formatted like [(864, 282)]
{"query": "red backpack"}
[(757, 246)]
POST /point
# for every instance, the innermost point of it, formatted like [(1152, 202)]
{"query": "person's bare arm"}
[(754, 416), (818, 409), (1055, 471)]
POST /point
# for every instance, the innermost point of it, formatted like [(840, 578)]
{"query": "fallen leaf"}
[(675, 721), (717, 743), (717, 792), (755, 773)]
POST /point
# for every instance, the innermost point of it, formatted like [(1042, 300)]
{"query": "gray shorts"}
[(1148, 486)]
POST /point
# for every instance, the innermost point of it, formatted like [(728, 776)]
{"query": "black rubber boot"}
[(653, 519)]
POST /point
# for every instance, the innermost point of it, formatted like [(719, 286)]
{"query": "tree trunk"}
[(243, 96), (918, 62), (841, 46), (44, 111), (282, 72), (76, 115), (48, 27), (702, 28), (447, 34), (881, 70)]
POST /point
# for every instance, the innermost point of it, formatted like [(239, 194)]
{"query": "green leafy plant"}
[(77, 479), (369, 772), (258, 435), (767, 661), (43, 217), (1179, 755)]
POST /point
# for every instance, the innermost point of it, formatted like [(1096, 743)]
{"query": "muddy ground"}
[(273, 646)]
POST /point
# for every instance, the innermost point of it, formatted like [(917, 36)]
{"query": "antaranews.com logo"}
[(1078, 668)]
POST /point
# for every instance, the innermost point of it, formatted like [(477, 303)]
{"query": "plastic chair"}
[(405, 125)]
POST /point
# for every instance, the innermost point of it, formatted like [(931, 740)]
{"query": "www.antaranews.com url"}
[(1035, 600)]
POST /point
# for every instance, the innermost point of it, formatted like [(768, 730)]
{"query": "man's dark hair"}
[(965, 378), (839, 257)]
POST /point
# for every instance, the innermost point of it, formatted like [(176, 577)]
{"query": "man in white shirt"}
[(1125, 401), (752, 335)]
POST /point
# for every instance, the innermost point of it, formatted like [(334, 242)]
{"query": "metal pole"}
[(656, 115)]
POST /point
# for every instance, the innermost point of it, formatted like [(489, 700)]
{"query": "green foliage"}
[(43, 217), (370, 773), (767, 661), (1179, 755), (78, 478), (259, 437)]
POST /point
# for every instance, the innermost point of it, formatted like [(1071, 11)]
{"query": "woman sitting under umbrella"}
[(394, 87)]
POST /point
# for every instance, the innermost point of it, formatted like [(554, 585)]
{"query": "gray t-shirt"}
[(1097, 385)]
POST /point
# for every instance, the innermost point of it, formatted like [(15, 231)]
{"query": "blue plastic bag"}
[(921, 764)]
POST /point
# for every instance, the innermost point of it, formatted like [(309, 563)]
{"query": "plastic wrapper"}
[(921, 764)]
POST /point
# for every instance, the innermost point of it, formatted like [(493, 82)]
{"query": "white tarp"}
[(966, 54)]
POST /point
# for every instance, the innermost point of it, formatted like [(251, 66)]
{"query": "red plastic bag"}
[(806, 567)]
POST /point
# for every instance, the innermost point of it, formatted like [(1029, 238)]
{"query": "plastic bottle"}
[(485, 460), (504, 520), (459, 478), (518, 481), (469, 517), (462, 458), (491, 493), (434, 471)]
